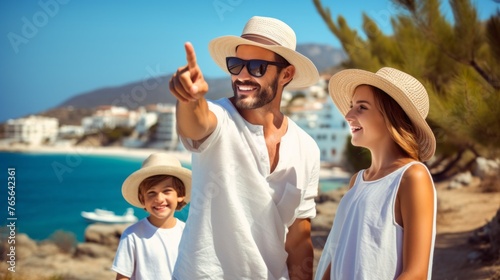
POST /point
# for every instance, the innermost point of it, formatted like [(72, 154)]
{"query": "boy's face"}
[(161, 201)]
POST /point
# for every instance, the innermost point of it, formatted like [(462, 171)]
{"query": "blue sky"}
[(51, 50)]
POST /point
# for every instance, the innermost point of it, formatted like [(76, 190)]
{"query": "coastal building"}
[(145, 121), (141, 134), (109, 117), (70, 131), (313, 110), (166, 136), (32, 130)]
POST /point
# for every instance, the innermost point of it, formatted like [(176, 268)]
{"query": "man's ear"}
[(287, 74)]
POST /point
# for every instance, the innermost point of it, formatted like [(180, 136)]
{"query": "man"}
[(255, 172)]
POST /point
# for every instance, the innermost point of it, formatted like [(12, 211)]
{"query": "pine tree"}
[(458, 62)]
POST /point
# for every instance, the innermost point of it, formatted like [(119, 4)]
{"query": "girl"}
[(385, 224)]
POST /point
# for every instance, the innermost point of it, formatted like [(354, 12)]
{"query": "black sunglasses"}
[(255, 67)]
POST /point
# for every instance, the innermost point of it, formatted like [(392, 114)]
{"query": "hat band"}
[(260, 39)]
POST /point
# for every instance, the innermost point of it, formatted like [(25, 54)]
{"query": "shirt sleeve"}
[(124, 262), (307, 207), (199, 146)]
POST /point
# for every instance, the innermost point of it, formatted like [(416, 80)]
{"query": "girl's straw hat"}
[(407, 91), (155, 164), (271, 34)]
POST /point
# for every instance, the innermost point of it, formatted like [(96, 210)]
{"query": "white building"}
[(140, 136), (110, 117), (33, 130), (317, 115), (71, 131), (145, 122), (166, 136)]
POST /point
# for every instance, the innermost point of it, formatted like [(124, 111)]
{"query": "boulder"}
[(94, 250), (486, 167), (104, 234), (25, 246), (460, 180)]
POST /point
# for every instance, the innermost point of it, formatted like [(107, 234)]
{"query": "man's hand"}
[(194, 119), (188, 84)]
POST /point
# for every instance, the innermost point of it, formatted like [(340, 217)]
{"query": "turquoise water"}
[(51, 190)]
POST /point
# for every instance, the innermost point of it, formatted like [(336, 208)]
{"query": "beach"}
[(116, 151)]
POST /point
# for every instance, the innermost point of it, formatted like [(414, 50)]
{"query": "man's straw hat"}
[(271, 34)]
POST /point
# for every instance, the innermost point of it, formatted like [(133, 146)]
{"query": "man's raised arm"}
[(194, 120)]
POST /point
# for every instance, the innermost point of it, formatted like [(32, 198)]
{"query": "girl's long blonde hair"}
[(398, 124)]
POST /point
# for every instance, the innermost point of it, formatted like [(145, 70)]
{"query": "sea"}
[(51, 191)]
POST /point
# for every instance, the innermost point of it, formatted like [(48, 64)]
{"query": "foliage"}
[(115, 134), (457, 61), (356, 158)]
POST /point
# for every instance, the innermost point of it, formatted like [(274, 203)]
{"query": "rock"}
[(486, 167), (454, 185), (25, 246), (103, 234), (464, 178), (94, 250), (46, 249), (460, 180)]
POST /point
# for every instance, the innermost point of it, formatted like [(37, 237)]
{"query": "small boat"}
[(109, 217)]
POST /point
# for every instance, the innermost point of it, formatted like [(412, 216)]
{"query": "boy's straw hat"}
[(155, 164), (407, 91), (271, 34)]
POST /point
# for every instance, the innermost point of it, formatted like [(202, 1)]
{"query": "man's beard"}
[(263, 96)]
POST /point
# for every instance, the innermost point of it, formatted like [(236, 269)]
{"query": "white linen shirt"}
[(240, 212)]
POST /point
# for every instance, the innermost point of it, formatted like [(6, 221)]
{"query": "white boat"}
[(109, 217)]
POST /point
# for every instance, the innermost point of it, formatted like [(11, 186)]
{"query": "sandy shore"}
[(183, 156)]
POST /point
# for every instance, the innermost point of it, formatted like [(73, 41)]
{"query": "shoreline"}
[(327, 174), (116, 151)]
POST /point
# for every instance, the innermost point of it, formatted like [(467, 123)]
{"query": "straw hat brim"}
[(341, 88), (130, 187), (306, 73)]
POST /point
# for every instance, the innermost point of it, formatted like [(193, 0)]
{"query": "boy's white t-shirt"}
[(148, 252)]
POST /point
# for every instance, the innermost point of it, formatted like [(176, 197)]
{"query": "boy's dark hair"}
[(177, 184)]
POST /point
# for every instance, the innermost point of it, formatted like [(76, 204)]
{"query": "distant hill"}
[(150, 91), (155, 90), (323, 56)]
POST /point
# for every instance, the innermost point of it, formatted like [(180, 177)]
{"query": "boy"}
[(148, 249)]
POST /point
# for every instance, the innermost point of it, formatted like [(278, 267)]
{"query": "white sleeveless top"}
[(365, 241)]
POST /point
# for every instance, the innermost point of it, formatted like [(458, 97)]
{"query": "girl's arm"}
[(416, 201)]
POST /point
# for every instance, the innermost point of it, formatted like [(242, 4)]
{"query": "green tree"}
[(457, 61), (355, 158)]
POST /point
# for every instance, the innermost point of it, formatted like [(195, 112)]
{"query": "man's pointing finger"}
[(190, 56)]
